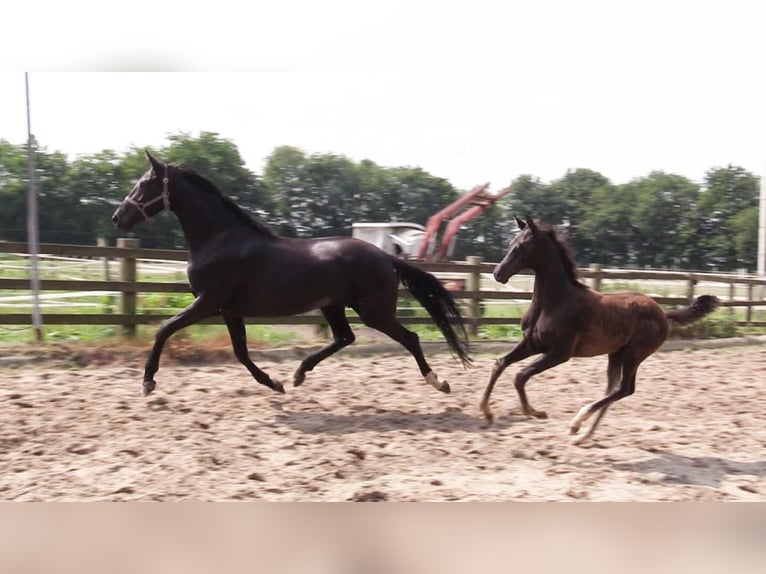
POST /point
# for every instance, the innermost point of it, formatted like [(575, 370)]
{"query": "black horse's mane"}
[(212, 188), (565, 253)]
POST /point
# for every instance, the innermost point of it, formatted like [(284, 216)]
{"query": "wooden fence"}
[(468, 277)]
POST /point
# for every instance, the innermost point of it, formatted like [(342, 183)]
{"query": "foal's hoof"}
[(279, 387), (531, 413), (489, 417), (445, 388), (298, 379), (148, 387), (578, 440)]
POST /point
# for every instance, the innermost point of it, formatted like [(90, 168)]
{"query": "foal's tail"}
[(433, 296), (702, 305)]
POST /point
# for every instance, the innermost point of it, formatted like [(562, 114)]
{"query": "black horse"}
[(238, 268)]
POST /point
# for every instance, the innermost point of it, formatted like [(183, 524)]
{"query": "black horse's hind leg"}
[(342, 337), (199, 309), (389, 325), (238, 334), (521, 351)]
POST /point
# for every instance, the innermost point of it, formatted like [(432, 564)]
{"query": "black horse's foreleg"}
[(342, 336), (199, 309), (521, 351), (238, 334)]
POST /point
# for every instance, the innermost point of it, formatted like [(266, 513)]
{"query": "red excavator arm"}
[(480, 202), (432, 226)]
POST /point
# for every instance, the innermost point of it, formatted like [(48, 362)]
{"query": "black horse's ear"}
[(157, 165), (520, 223)]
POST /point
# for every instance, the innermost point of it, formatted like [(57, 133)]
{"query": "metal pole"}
[(761, 256), (762, 230), (32, 229)]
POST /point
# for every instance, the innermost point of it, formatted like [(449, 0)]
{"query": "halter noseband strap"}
[(164, 197)]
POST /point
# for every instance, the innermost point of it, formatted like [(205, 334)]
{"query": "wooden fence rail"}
[(467, 275)]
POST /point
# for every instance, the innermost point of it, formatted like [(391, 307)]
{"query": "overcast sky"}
[(470, 91)]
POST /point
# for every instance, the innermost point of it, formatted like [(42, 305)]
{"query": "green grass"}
[(108, 335)]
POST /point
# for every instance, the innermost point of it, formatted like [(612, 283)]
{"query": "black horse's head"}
[(149, 196), (520, 252)]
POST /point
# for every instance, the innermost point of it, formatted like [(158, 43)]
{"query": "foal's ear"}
[(520, 222), (531, 224), (157, 165)]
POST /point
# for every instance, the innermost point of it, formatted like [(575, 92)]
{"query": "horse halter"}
[(164, 197)]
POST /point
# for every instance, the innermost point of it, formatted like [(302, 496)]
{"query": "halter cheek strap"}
[(164, 197)]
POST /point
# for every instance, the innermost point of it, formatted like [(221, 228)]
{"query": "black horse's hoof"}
[(148, 388), (279, 387), (298, 379), (445, 388)]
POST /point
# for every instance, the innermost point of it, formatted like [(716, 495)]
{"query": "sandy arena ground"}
[(368, 428)]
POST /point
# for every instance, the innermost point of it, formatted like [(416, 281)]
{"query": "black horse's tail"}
[(702, 305), (435, 298)]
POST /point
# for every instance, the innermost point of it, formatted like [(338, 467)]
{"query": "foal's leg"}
[(238, 333), (613, 375), (547, 361), (626, 388), (522, 350), (199, 309), (342, 337)]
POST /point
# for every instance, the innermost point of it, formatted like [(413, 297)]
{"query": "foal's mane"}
[(209, 187), (565, 253)]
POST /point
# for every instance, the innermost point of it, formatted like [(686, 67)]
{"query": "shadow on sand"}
[(384, 420), (694, 470)]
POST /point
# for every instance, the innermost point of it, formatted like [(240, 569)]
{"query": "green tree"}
[(13, 188), (382, 190), (101, 181), (420, 194), (532, 197), (664, 220), (607, 224), (745, 237), (574, 193), (323, 194), (60, 216), (283, 178), (729, 194), (315, 195)]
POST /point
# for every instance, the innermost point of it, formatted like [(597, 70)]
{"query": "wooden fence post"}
[(473, 284), (106, 275), (596, 270), (690, 284), (128, 275)]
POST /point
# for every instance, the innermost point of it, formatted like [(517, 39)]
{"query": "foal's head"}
[(535, 247), (149, 196)]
